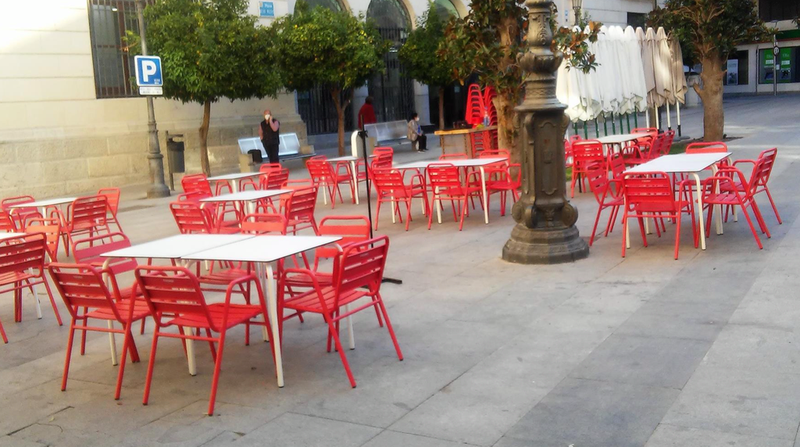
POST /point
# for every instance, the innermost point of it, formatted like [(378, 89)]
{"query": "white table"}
[(173, 247), (353, 161), (621, 138), (10, 235), (479, 163), (687, 164), (263, 251), (249, 198), (233, 179), (43, 204)]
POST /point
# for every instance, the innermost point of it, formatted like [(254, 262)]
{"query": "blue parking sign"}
[(267, 9), (148, 71)]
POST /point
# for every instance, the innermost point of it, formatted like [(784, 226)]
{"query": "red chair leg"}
[(52, 301), (125, 346), (68, 356), (594, 228), (333, 333), (624, 231), (215, 379), (389, 328), (3, 333), (774, 208), (149, 378), (752, 228), (677, 235)]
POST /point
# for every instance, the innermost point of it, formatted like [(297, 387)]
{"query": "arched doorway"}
[(315, 106), (392, 91)]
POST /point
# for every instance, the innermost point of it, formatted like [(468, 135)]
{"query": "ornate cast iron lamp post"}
[(545, 232)]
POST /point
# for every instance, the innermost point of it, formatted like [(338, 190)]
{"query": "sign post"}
[(776, 67), (149, 71)]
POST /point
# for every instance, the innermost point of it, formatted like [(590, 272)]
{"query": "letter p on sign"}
[(148, 71)]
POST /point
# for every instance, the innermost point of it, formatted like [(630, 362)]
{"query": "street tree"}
[(709, 31), (487, 42), (330, 48), (210, 49), (419, 55)]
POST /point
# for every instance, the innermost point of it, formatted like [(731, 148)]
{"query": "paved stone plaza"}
[(605, 352)]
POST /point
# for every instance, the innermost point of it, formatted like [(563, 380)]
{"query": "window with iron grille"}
[(109, 21), (770, 10)]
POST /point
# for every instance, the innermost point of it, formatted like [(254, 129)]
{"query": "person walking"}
[(419, 141), (269, 132), (366, 115)]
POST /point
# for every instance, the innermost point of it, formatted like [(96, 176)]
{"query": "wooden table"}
[(463, 132)]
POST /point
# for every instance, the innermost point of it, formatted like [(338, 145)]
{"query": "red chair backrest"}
[(494, 153), (668, 137), (706, 148), (616, 164), (352, 229), (301, 204), (381, 161), (598, 181), (274, 179), (6, 222), (191, 218), (445, 178), (264, 223), (389, 182), (112, 196), (269, 167), (361, 264), (644, 130), (298, 184), (90, 249), (196, 183), (479, 141), (586, 151), (82, 287), (575, 138), (88, 212), (51, 229), (21, 253), (763, 168), (650, 191), (173, 290), (20, 215), (383, 150), (319, 169)]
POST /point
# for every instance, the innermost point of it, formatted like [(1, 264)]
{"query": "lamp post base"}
[(544, 246)]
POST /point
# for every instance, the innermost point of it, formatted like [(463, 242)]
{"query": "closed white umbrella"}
[(638, 87), (678, 77)]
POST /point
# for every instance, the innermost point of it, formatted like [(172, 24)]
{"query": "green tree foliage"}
[(331, 48), (419, 55), (709, 31), (210, 49), (487, 42)]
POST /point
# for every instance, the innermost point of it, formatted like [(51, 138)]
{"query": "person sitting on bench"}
[(419, 141)]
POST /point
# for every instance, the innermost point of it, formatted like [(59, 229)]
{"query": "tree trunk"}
[(711, 94), (204, 138), (337, 101), (505, 126), (441, 108)]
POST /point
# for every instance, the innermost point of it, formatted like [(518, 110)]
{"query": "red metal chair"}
[(479, 141), (82, 287), (265, 169), (87, 215), (200, 183), (616, 164), (193, 218), (706, 147), (326, 176), (567, 154), (723, 189), (762, 170), (22, 260), (20, 215), (392, 188), (176, 291), (112, 196), (587, 154), (299, 210), (445, 183), (383, 151), (608, 194), (7, 224), (651, 195), (263, 223), (51, 229), (357, 275), (503, 183)]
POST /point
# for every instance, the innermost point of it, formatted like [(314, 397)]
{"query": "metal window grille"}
[(770, 10), (109, 21)]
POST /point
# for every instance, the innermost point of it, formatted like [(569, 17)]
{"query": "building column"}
[(422, 103)]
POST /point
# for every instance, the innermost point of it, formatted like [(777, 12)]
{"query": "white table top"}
[(264, 248), (235, 176), (621, 138), (175, 247), (10, 235), (461, 163), (679, 163), (345, 158), (41, 203), (247, 196)]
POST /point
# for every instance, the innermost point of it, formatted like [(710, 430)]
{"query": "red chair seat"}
[(310, 301), (237, 314), (223, 276), (140, 310), (323, 279)]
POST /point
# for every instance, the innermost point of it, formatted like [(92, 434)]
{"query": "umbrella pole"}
[(669, 120), (647, 117), (635, 119), (658, 124), (678, 109)]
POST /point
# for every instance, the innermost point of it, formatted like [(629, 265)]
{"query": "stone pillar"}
[(545, 232)]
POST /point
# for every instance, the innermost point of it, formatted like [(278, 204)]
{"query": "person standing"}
[(366, 115), (419, 141), (269, 132)]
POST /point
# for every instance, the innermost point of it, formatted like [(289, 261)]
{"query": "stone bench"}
[(288, 149), (384, 132)]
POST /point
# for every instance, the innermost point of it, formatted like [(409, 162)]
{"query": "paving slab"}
[(674, 436), (308, 431)]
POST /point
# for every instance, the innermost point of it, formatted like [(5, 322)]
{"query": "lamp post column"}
[(157, 187), (545, 232)]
